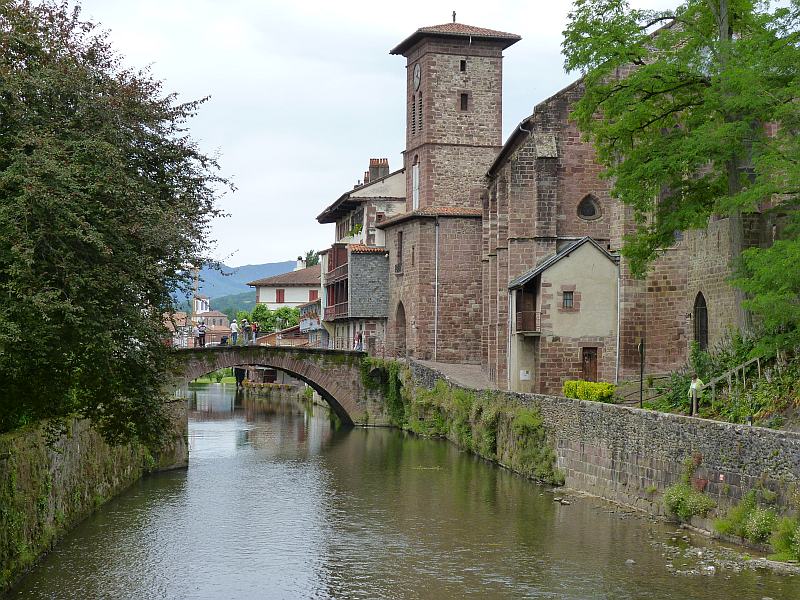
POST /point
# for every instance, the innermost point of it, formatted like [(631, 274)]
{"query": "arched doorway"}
[(700, 313), (400, 330)]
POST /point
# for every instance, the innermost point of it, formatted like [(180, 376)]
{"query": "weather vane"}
[(454, 16)]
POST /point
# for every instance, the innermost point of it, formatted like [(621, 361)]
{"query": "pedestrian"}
[(358, 344), (255, 327), (695, 389), (234, 331), (195, 335), (201, 334), (247, 330)]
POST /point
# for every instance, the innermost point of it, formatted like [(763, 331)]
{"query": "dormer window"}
[(589, 208)]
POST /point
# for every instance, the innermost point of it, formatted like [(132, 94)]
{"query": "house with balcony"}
[(564, 319), (311, 324), (355, 268)]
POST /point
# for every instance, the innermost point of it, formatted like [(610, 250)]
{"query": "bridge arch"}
[(336, 375)]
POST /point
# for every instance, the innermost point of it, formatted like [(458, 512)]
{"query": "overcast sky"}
[(303, 94)]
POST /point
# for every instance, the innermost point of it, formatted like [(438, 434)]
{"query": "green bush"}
[(589, 390), (749, 521), (786, 539), (684, 501)]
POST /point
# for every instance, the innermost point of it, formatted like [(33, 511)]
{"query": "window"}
[(313, 295), (589, 208), (419, 113), (567, 300), (463, 65), (398, 267), (413, 114), (415, 184), (279, 295), (464, 101), (701, 321), (412, 256)]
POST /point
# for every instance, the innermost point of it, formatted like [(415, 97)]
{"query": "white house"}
[(289, 289)]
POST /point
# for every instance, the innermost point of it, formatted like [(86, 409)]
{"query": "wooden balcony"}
[(337, 311), (336, 274), (528, 322)]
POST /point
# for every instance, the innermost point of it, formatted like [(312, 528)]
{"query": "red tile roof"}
[(362, 249), (303, 277), (456, 30), (441, 211)]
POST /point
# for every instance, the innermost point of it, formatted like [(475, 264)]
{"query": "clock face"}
[(417, 76)]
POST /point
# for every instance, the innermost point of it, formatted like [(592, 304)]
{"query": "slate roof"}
[(345, 203), (442, 211), (548, 262), (459, 30), (303, 277)]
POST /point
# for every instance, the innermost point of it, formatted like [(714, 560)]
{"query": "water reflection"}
[(277, 503)]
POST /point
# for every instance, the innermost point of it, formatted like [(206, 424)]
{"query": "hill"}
[(233, 280)]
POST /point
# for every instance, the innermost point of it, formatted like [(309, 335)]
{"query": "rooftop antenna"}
[(454, 16)]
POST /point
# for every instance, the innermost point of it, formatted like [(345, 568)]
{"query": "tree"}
[(312, 258), (286, 316), (104, 200), (696, 118)]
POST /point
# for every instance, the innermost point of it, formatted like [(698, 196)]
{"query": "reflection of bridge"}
[(335, 374)]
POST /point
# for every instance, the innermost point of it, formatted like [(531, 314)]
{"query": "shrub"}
[(749, 521), (684, 501), (786, 539), (589, 390)]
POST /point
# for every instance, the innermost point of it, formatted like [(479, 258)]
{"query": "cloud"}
[(304, 93)]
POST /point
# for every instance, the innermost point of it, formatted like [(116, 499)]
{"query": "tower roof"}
[(456, 30)]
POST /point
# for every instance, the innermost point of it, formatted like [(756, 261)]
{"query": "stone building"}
[(453, 133), (355, 269), (507, 255)]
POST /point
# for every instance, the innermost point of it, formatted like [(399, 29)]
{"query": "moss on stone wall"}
[(490, 424), (49, 483)]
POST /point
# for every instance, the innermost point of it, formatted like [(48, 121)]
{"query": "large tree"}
[(104, 201), (693, 112)]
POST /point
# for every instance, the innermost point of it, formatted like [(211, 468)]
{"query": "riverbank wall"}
[(627, 455), (52, 479)]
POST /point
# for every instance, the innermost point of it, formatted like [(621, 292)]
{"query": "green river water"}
[(278, 503)]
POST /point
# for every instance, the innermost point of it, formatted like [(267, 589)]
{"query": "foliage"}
[(749, 521), (271, 320), (677, 116), (683, 500), (104, 200), (786, 539), (312, 258), (589, 390)]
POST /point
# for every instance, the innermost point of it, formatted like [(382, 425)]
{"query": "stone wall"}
[(46, 490), (369, 285), (631, 456)]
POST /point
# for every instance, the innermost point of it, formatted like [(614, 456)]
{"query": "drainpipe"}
[(508, 345), (436, 291), (619, 275)]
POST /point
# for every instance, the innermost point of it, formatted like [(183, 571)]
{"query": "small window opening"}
[(463, 65), (464, 101), (589, 208), (419, 113), (412, 255), (413, 114), (567, 300)]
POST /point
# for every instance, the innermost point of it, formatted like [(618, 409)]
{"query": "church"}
[(506, 255)]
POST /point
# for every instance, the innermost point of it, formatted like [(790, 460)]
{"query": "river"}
[(279, 503)]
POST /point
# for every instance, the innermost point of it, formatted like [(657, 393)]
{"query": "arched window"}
[(400, 330), (700, 314), (589, 208), (415, 184)]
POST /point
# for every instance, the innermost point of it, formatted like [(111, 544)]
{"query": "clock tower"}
[(453, 111)]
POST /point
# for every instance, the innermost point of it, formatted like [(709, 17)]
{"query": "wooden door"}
[(589, 356)]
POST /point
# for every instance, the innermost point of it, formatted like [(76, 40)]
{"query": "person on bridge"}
[(254, 325), (246, 330), (201, 335), (234, 331)]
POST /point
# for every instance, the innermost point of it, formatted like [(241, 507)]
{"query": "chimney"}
[(366, 177), (378, 167), (301, 263)]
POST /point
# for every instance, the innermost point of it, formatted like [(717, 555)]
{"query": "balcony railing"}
[(337, 311), (336, 273), (528, 321)]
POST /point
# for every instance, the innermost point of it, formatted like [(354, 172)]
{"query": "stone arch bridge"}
[(338, 376)]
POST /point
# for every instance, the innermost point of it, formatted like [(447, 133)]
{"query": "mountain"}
[(233, 280), (232, 304)]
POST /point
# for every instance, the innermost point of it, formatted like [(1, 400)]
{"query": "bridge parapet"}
[(337, 375)]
